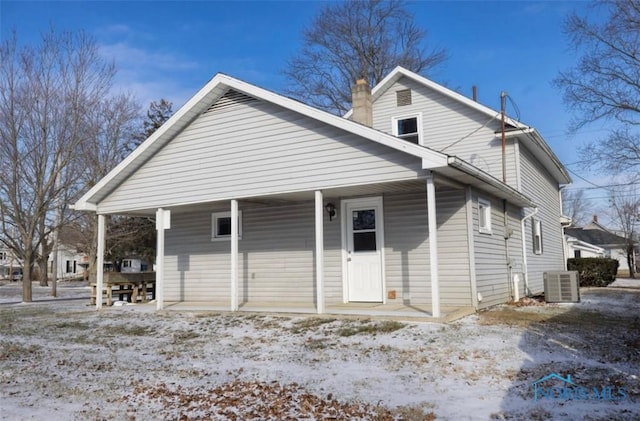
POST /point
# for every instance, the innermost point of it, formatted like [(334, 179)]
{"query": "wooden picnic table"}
[(126, 286)]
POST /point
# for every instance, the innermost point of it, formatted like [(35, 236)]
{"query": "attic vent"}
[(230, 99), (561, 287), (403, 97)]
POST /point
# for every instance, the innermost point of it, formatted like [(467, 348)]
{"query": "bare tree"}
[(113, 126), (576, 206), (625, 213), (118, 130), (352, 40), (605, 83), (46, 93)]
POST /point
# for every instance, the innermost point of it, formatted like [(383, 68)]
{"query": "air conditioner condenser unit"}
[(561, 287)]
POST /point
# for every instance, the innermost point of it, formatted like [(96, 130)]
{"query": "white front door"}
[(363, 230)]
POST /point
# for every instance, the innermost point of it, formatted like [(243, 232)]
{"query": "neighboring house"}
[(9, 265), (134, 264), (580, 248), (71, 262), (263, 202), (611, 245)]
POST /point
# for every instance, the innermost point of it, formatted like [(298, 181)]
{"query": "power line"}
[(585, 180), (565, 134), (602, 187), (515, 107), (578, 162), (609, 197), (470, 134)]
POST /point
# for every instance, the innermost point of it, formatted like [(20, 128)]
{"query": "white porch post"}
[(319, 252), (433, 246), (163, 222), (100, 260), (234, 255)]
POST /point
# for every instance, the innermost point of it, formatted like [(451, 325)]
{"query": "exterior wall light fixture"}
[(331, 210)]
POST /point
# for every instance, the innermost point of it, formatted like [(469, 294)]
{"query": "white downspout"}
[(524, 250)]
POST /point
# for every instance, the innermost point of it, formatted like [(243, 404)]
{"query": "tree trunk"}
[(26, 277), (43, 270)]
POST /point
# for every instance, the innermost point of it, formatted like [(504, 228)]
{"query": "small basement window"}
[(484, 216), (408, 128), (221, 225)]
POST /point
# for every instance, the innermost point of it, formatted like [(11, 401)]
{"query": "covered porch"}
[(235, 273)]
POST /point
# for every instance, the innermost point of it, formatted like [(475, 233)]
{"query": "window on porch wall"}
[(221, 225)]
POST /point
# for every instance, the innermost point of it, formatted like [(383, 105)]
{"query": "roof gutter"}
[(467, 168)]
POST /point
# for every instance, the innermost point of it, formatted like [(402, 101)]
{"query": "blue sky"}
[(168, 49)]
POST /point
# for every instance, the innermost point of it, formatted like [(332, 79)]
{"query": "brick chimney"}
[(361, 103), (595, 218)]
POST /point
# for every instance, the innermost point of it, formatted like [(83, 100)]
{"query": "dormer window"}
[(408, 128)]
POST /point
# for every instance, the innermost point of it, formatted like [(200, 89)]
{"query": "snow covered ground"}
[(60, 359)]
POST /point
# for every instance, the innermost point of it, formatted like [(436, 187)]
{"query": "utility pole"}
[(503, 97)]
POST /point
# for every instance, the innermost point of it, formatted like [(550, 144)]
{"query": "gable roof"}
[(532, 138), (221, 84), (596, 237), (209, 94)]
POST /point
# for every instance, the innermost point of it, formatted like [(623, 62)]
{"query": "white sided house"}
[(265, 203)]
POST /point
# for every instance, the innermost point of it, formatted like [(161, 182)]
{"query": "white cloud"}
[(127, 56), (151, 74), (116, 29)]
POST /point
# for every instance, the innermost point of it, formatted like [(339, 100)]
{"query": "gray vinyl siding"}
[(196, 269), (252, 149), (406, 248), (449, 126), (277, 253), (543, 189), (276, 256), (493, 277), (407, 256), (453, 248)]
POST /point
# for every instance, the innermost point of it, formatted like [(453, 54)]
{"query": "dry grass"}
[(368, 327)]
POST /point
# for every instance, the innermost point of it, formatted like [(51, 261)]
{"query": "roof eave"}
[(507, 191), (562, 175)]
